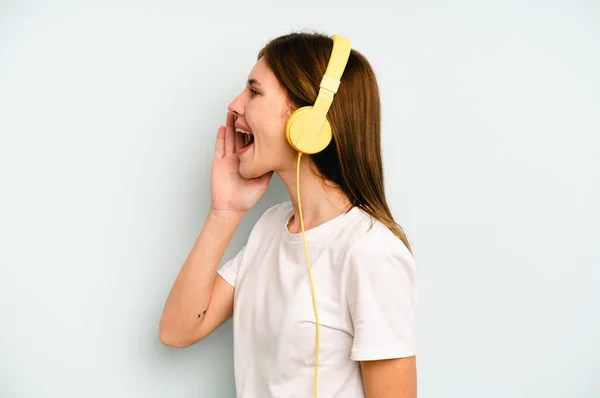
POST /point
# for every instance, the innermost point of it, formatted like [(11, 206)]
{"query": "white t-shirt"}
[(366, 288)]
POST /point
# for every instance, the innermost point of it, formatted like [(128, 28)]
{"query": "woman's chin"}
[(247, 171)]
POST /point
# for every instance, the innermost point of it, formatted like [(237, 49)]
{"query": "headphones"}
[(308, 131)]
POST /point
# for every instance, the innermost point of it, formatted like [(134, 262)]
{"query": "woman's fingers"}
[(229, 135), (220, 144)]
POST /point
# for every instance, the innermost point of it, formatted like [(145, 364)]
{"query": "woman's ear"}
[(288, 109)]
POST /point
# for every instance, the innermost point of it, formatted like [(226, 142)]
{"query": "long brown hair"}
[(353, 158)]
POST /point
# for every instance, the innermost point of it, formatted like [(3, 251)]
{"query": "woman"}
[(363, 274)]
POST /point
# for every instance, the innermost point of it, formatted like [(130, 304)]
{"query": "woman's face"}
[(262, 110)]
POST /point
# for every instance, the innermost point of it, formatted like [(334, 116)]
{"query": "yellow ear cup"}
[(307, 132)]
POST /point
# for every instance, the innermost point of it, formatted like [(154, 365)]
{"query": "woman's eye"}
[(254, 92)]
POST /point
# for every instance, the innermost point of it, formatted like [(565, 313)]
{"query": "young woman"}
[(361, 268)]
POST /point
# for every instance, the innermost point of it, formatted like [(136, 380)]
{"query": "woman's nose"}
[(236, 106)]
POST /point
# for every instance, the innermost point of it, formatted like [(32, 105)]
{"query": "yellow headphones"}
[(308, 131)]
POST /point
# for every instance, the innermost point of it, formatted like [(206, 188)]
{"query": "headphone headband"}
[(337, 63), (331, 80)]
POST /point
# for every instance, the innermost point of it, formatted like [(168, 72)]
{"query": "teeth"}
[(243, 131)]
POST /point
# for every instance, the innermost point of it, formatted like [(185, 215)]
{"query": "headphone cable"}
[(309, 274)]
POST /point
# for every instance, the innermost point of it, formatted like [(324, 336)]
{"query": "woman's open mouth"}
[(247, 139)]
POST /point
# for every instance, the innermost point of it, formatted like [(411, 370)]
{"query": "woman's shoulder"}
[(367, 237)]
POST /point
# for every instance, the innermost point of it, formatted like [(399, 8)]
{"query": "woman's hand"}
[(230, 192)]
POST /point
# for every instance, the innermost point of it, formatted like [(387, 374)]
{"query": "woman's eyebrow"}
[(253, 82)]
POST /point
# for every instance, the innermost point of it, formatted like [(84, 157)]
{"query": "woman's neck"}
[(321, 200)]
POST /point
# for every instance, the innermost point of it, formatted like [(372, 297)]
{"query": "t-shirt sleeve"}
[(230, 269), (381, 292)]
